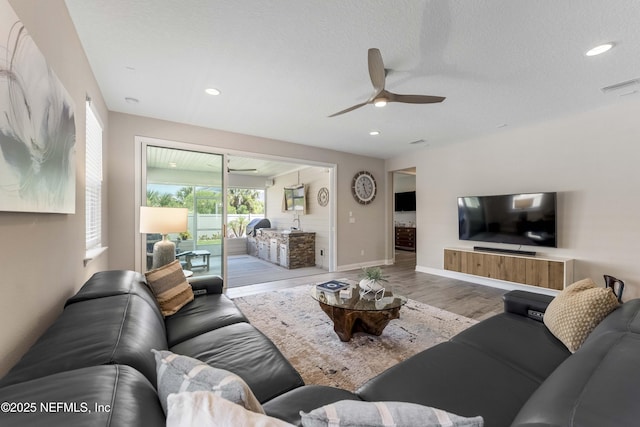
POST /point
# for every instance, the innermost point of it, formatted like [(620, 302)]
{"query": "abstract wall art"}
[(37, 126)]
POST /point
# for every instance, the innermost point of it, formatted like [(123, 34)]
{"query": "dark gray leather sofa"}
[(508, 368), (511, 370), (94, 365)]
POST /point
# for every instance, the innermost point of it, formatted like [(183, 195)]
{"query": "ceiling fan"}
[(381, 96), (231, 170)]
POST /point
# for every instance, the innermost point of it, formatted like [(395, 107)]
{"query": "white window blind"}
[(93, 175)]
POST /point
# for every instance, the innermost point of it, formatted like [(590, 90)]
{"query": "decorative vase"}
[(370, 285), (371, 289)]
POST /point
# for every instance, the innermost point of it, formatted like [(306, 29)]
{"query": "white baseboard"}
[(360, 265), (485, 281)]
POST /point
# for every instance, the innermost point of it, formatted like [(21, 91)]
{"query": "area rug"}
[(304, 334)]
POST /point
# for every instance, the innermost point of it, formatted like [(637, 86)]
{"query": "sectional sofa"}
[(94, 365)]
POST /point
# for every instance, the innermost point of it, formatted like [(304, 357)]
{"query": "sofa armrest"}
[(203, 285), (527, 304)]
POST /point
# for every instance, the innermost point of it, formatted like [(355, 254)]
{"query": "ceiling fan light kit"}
[(381, 96), (380, 102)]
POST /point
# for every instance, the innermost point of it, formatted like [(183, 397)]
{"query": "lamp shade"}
[(163, 220)]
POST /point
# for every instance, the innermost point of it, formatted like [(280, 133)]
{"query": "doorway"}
[(201, 179), (405, 217), (260, 255)]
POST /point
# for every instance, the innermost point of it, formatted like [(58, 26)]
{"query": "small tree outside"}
[(242, 203), (238, 226)]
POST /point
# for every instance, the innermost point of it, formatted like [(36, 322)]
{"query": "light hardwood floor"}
[(464, 298)]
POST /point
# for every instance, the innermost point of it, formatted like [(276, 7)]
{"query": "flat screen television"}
[(405, 202), (519, 219)]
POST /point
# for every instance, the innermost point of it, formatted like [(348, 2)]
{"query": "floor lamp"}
[(163, 221)]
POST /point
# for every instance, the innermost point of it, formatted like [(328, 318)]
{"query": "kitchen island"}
[(288, 249)]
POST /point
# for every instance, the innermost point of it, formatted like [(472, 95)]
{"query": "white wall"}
[(590, 159), (42, 254), (316, 219)]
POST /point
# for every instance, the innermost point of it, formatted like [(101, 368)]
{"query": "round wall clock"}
[(323, 196), (363, 187)]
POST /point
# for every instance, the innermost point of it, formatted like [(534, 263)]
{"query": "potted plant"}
[(372, 279)]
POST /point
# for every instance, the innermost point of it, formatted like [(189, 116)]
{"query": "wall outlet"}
[(362, 252)]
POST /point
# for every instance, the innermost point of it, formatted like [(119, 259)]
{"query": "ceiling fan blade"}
[(241, 170), (349, 109), (376, 69), (414, 99)]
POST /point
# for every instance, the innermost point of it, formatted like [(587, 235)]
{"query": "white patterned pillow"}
[(203, 408), (382, 414), (178, 374), (577, 310)]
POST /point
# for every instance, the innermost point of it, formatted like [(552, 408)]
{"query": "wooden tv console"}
[(544, 272)]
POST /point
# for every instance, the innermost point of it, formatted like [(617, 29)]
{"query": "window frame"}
[(94, 177)]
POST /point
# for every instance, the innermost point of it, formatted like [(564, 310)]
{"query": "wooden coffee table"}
[(354, 312)]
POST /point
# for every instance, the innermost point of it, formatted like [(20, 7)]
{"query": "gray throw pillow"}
[(177, 373), (380, 414)]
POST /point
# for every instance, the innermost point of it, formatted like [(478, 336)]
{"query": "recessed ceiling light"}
[(374, 133), (212, 91), (131, 100), (173, 165), (599, 49)]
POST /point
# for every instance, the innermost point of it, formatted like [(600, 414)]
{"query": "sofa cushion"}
[(115, 282), (577, 310), (626, 318), (242, 349), (287, 406), (117, 329), (522, 343), (209, 284), (177, 373), (205, 313), (114, 395), (597, 386), (381, 414), (202, 408), (456, 378), (170, 287)]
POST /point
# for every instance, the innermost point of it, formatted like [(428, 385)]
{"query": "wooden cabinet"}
[(406, 238), (552, 273)]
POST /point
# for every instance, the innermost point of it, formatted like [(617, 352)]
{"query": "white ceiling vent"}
[(629, 84)]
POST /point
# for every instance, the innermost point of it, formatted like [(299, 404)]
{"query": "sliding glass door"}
[(176, 177)]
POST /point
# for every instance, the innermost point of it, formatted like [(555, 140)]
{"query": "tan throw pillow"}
[(170, 287), (577, 310)]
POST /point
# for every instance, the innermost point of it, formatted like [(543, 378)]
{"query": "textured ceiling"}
[(283, 66)]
